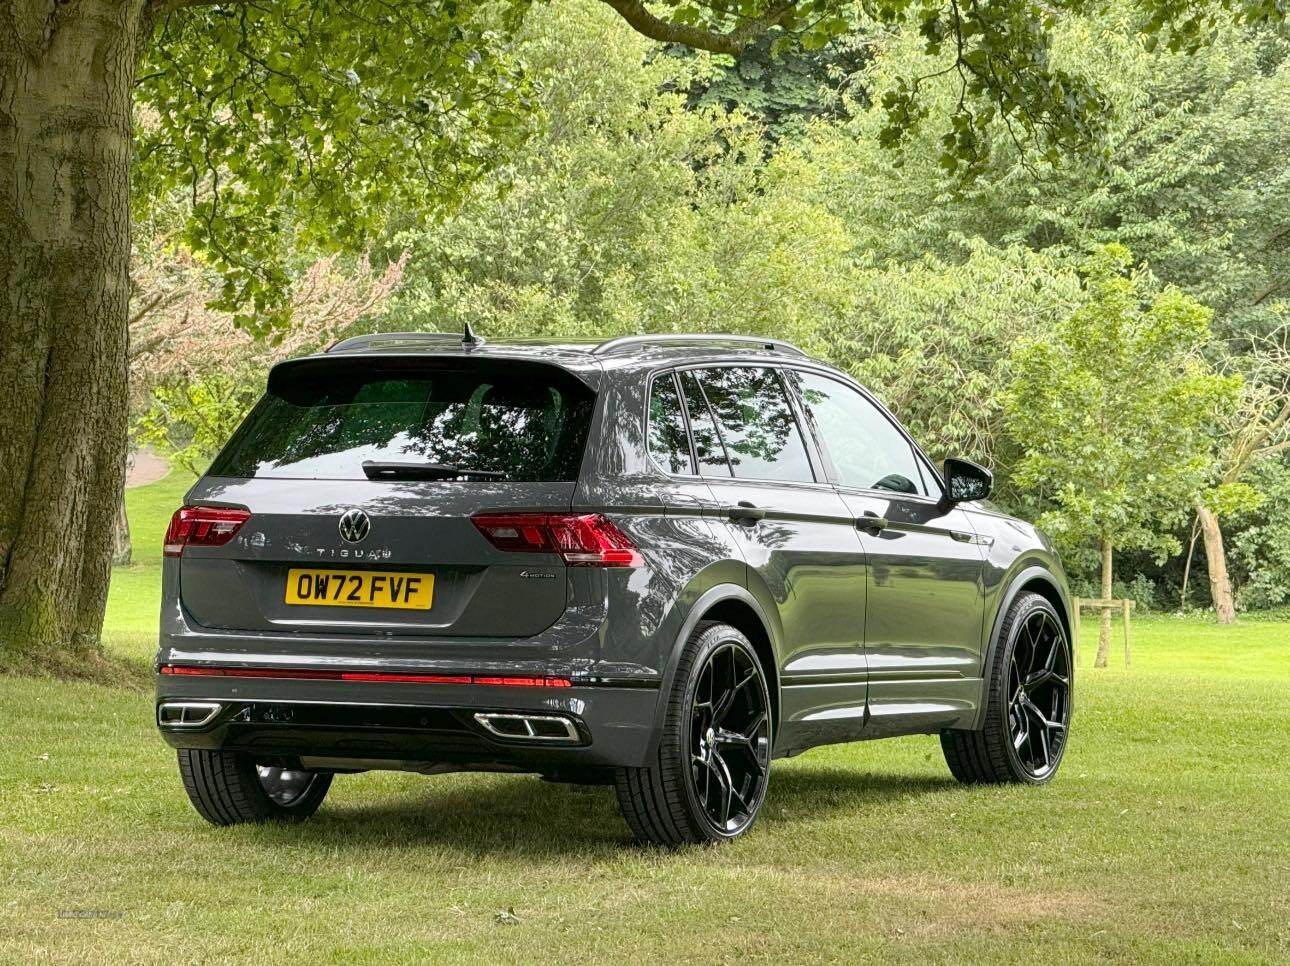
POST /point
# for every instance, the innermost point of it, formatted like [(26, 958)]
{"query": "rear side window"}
[(707, 441), (668, 443), (757, 424), (324, 422)]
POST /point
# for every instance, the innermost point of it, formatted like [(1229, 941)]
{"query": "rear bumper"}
[(421, 727)]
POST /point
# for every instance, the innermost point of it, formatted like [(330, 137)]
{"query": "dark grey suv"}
[(656, 562)]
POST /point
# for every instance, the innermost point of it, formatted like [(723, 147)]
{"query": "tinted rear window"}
[(529, 423)]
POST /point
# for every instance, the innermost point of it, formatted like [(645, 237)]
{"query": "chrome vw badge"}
[(354, 526)]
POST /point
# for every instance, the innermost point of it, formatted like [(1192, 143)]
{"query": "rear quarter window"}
[(527, 423)]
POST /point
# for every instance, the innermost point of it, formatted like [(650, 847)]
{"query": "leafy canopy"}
[(998, 55), (1115, 410), (1193, 178), (303, 123), (307, 124)]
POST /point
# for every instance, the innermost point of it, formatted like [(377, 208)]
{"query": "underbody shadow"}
[(522, 815)]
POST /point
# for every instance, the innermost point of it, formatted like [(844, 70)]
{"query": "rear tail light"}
[(581, 539), (202, 526)]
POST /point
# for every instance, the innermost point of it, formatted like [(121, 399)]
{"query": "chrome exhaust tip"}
[(187, 714), (528, 727)]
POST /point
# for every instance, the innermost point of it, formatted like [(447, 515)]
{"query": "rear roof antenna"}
[(468, 338)]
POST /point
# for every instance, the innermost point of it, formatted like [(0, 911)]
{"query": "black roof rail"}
[(374, 339), (627, 342)]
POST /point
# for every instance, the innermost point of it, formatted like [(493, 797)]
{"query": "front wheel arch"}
[(1033, 579)]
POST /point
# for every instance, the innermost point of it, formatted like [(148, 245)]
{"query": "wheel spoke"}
[(1045, 676), (729, 743), (725, 785), (1022, 736)]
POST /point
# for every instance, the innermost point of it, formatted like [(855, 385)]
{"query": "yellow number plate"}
[(360, 588)]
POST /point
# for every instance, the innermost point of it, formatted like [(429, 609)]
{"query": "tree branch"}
[(159, 8), (731, 42)]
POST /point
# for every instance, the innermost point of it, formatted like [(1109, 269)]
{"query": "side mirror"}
[(965, 480)]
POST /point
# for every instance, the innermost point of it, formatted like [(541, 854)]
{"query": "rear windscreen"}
[(527, 423)]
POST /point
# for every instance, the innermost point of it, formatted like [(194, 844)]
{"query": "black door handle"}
[(745, 513), (872, 522)]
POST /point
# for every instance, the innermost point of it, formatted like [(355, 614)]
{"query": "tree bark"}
[(1104, 626), (1220, 586), (66, 75)]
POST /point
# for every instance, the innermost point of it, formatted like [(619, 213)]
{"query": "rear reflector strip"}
[(383, 677)]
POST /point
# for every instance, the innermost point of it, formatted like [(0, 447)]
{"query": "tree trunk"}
[(1104, 626), (1191, 553), (122, 547), (1220, 587), (66, 74)]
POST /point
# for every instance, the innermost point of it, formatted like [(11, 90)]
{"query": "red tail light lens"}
[(581, 539), (202, 526)]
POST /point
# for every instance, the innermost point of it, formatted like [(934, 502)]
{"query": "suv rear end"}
[(390, 566)]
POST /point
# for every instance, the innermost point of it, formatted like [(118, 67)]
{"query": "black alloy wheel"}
[(1039, 687), (729, 738), (1026, 724), (712, 768)]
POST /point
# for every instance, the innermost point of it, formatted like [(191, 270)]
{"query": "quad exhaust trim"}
[(187, 714), (528, 727)]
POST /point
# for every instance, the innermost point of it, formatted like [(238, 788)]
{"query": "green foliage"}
[(628, 213), (304, 123), (308, 125), (998, 60), (1193, 178), (189, 420), (1260, 546), (1114, 413), (1141, 590), (933, 339), (783, 90)]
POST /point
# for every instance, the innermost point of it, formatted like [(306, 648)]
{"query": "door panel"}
[(804, 554), (798, 538), (925, 611), (924, 603)]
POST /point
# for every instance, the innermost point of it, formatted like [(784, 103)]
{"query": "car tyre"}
[(229, 788), (1028, 708), (713, 765)]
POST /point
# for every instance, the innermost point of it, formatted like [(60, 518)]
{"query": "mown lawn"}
[(1166, 838), (134, 596)]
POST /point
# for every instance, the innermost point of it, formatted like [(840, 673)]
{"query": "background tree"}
[(201, 373), (630, 210), (1250, 433), (1114, 413), (1192, 178), (305, 125), (933, 339)]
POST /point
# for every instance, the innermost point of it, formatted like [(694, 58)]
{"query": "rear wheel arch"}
[(733, 605)]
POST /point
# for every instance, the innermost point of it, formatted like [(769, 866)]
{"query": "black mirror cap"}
[(966, 481)]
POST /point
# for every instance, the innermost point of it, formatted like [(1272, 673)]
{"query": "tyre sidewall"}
[(704, 644), (1021, 612)]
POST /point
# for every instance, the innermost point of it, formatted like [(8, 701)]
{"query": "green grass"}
[(1166, 838), (135, 594)]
